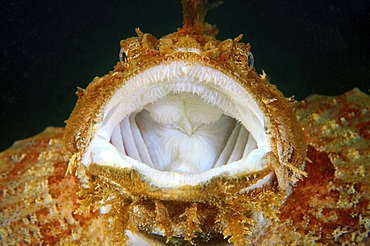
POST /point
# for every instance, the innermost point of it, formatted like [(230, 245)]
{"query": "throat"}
[(182, 133), (191, 148)]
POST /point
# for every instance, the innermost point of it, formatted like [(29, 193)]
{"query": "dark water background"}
[(48, 48)]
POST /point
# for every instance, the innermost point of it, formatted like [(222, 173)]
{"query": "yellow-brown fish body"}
[(229, 201), (131, 192)]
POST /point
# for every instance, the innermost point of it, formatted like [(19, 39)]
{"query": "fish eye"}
[(250, 60), (122, 56)]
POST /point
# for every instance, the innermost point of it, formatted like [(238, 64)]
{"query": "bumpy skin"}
[(40, 204), (216, 208), (37, 199), (330, 206)]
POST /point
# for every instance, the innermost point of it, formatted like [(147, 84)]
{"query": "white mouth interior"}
[(180, 124)]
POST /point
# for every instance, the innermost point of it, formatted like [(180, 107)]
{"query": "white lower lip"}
[(155, 83)]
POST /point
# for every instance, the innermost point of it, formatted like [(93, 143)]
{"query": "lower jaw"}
[(202, 212)]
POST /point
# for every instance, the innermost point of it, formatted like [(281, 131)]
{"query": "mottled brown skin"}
[(198, 212), (37, 199), (220, 208), (330, 206), (40, 204), (228, 56)]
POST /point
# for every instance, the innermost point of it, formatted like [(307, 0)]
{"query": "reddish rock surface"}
[(331, 206)]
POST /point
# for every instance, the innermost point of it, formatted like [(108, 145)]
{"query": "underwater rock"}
[(331, 205)]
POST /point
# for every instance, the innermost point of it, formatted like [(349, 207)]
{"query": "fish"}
[(185, 137), (182, 143)]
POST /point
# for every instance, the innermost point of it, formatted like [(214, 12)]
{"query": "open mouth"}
[(183, 140), (179, 124)]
